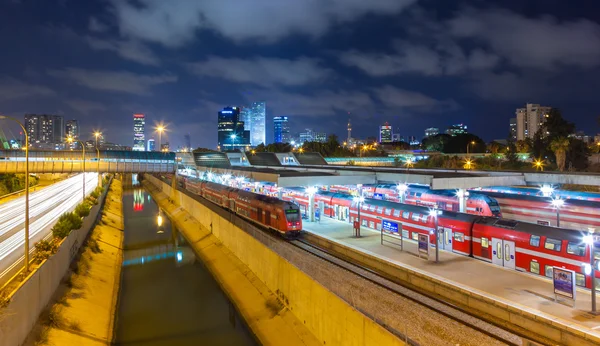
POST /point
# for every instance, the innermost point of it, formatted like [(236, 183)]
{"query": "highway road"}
[(45, 207)]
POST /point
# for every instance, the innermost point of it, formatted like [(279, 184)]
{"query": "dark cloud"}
[(14, 89), (262, 71), (128, 50), (175, 23), (115, 81)]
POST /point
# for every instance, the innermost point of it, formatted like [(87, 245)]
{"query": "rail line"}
[(435, 305)]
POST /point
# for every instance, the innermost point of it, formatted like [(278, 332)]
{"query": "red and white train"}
[(517, 245), (575, 213), (278, 215), (477, 204)]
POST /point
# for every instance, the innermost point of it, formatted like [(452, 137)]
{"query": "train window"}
[(506, 252), (405, 214), (576, 249), (580, 279), (534, 267), (397, 213), (365, 207), (415, 235), (416, 217), (553, 244), (405, 234), (379, 210), (548, 271), (371, 224), (424, 218), (485, 243), (459, 236), (498, 250), (364, 222), (372, 208), (534, 240), (419, 194), (388, 211)]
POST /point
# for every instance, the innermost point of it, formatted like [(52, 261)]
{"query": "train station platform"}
[(534, 294)]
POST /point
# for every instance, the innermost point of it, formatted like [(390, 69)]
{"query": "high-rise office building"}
[(513, 129), (72, 131), (45, 131), (151, 145), (139, 134), (231, 133), (258, 125), (530, 119), (432, 131), (187, 142), (385, 133), (281, 129), (456, 129)]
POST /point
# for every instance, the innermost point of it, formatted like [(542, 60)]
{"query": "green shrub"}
[(65, 224), (83, 209), (44, 249)]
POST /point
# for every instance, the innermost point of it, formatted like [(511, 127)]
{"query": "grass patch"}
[(55, 318), (75, 326), (43, 337)]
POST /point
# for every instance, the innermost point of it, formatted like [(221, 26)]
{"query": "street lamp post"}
[(71, 140), (468, 144), (434, 213), (26, 188), (98, 134), (233, 137), (358, 200), (160, 129), (558, 203), (589, 239)]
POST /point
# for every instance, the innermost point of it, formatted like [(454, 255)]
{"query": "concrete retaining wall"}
[(537, 326), (331, 320), (34, 294)]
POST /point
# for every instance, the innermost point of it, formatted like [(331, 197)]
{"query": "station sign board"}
[(389, 226), (564, 282)]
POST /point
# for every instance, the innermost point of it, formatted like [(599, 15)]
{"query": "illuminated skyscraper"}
[(139, 137), (72, 130), (151, 144), (258, 124), (385, 133), (231, 132), (281, 130)]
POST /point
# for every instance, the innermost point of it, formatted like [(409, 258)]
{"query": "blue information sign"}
[(377, 196), (388, 226), (564, 282)]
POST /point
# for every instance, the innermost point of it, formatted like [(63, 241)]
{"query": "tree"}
[(560, 146), (577, 155), (494, 147), (523, 146)]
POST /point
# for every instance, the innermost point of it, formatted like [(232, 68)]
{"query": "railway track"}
[(434, 305)]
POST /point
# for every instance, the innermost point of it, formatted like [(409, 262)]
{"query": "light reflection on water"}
[(167, 296)]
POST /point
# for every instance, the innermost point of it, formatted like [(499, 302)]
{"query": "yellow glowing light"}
[(159, 220), (301, 150), (97, 134), (468, 164), (539, 164)]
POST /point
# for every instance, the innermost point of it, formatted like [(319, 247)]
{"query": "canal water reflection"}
[(167, 297)]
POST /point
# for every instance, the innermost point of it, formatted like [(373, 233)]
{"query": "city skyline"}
[(424, 70)]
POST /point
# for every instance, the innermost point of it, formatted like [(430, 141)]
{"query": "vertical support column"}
[(462, 200), (311, 207), (279, 193), (174, 185), (327, 188)]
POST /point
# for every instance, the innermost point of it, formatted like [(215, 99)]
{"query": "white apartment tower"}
[(530, 119)]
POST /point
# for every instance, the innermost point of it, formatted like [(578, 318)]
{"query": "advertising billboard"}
[(564, 282)]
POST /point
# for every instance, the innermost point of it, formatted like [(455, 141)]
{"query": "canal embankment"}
[(281, 303), (83, 306)]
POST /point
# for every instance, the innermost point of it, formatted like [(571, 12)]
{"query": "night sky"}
[(413, 63)]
